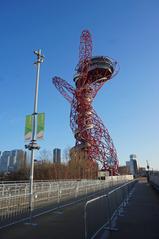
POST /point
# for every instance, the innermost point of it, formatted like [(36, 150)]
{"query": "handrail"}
[(115, 189), (107, 195), (14, 197)]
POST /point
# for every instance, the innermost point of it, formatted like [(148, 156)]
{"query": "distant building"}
[(133, 164), (124, 170), (4, 162), (12, 161), (103, 174), (128, 164), (57, 155), (133, 156), (142, 171), (17, 159), (38, 162)]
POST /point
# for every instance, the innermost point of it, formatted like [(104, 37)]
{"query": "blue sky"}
[(126, 30)]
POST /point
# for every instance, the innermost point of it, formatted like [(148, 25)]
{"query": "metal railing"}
[(154, 179), (100, 211), (48, 195)]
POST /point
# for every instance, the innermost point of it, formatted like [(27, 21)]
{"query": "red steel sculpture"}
[(91, 135)]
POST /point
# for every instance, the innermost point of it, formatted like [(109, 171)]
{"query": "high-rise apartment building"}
[(133, 164), (4, 162), (12, 161), (57, 155)]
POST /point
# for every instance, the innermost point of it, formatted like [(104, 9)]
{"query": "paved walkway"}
[(66, 223), (140, 221), (141, 216)]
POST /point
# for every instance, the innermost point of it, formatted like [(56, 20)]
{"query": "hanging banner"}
[(28, 127), (40, 126)]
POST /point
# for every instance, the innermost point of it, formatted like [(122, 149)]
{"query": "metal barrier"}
[(48, 195), (13, 209), (100, 211), (154, 179)]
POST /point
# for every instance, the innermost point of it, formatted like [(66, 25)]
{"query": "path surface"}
[(141, 216), (140, 220), (66, 223)]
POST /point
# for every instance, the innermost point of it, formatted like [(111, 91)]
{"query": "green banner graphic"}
[(28, 127), (40, 126)]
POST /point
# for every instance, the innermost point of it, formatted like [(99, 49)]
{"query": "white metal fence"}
[(99, 212), (48, 195), (154, 179)]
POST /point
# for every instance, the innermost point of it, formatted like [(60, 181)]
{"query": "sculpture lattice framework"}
[(92, 137)]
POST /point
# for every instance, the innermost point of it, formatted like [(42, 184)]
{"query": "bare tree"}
[(66, 154), (45, 155)]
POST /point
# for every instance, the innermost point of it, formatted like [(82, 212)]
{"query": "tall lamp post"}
[(32, 146)]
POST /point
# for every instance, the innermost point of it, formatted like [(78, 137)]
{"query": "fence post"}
[(76, 191), (86, 192), (110, 228), (59, 195), (85, 221)]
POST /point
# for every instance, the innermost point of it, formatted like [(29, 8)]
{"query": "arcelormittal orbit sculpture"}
[(93, 141)]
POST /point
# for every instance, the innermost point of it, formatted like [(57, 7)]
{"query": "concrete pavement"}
[(141, 216)]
